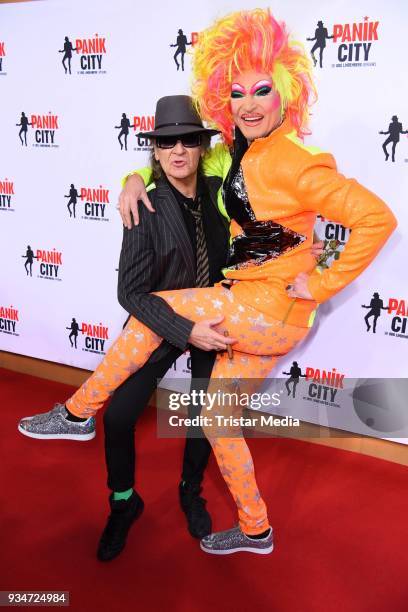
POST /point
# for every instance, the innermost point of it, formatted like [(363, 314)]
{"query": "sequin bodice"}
[(259, 241)]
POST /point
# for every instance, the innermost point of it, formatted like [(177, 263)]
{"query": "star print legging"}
[(261, 341)]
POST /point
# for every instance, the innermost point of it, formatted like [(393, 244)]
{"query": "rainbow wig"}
[(250, 40)]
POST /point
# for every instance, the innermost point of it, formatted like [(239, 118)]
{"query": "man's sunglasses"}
[(187, 140)]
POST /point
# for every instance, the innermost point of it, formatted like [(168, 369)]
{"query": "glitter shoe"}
[(53, 425), (44, 416), (234, 540)]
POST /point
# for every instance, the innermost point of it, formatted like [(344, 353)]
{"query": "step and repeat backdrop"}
[(79, 80)]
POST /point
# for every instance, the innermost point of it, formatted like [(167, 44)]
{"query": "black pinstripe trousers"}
[(128, 403)]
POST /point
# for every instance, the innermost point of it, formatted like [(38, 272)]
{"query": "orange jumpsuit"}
[(289, 184)]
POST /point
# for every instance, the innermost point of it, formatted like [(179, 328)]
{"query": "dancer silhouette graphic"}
[(124, 130), (321, 35), (394, 131), (181, 43), (295, 373), (73, 195), (24, 122), (74, 332), (376, 306), (29, 256), (67, 51)]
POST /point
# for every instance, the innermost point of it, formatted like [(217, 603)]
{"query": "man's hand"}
[(317, 249), (299, 289), (133, 191), (207, 339)]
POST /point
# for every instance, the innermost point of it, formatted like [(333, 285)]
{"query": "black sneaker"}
[(193, 506), (123, 514)]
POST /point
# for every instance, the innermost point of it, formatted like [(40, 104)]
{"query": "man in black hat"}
[(184, 244)]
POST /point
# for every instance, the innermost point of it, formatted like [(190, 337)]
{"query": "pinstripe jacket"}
[(157, 255)]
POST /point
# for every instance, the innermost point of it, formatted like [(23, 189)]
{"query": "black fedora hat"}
[(175, 115)]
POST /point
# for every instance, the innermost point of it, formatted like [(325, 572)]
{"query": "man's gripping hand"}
[(133, 191), (207, 339)]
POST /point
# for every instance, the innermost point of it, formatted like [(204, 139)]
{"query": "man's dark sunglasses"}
[(187, 140)]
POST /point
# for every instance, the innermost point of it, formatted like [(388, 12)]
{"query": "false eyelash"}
[(236, 94)]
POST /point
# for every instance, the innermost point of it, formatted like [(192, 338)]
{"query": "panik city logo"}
[(93, 202), (9, 320), (353, 42), (323, 385), (45, 129), (48, 263), (91, 53), (137, 123), (394, 315), (7, 195), (2, 58), (93, 336)]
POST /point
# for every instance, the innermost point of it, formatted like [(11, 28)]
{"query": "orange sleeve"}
[(322, 189)]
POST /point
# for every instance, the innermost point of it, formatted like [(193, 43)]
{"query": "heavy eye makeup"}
[(237, 91), (263, 91), (262, 88)]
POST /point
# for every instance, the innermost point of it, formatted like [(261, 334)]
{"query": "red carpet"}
[(340, 522)]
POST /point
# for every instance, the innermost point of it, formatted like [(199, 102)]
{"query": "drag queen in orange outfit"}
[(249, 74)]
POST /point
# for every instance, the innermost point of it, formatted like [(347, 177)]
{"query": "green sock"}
[(117, 495)]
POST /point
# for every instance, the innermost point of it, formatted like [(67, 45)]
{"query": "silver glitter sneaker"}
[(234, 540), (53, 425), (44, 416)]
